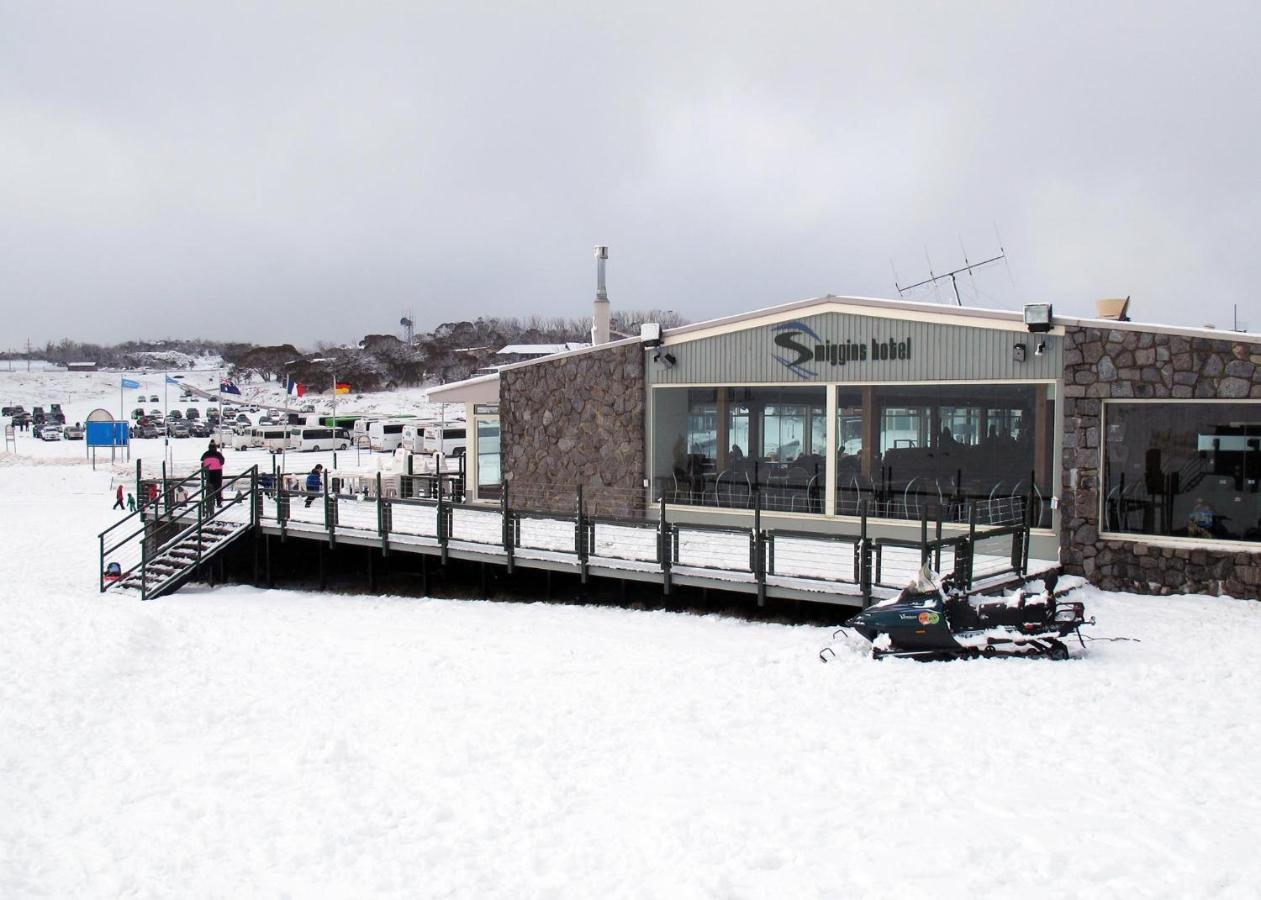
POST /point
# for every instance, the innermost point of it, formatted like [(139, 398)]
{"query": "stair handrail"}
[(195, 501)]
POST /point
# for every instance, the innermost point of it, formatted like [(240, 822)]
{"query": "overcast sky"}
[(311, 171)]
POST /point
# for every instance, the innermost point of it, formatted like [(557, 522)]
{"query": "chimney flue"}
[(600, 311)]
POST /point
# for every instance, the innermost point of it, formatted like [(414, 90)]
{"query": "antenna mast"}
[(933, 279)]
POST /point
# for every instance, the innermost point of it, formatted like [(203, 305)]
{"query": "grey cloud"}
[(309, 171)]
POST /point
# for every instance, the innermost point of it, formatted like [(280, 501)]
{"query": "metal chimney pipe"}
[(600, 312)]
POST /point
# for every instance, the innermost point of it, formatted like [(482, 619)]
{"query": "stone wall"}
[(1114, 363), (576, 420)]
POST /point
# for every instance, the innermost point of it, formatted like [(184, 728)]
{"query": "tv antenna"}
[(934, 278)]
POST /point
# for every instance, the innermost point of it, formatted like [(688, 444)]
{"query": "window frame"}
[(1159, 540)]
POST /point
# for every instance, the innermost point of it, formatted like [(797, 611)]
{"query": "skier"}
[(118, 498), (212, 462), (314, 481)]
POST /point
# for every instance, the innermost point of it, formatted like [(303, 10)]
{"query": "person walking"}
[(131, 503), (118, 498), (314, 481), (212, 462)]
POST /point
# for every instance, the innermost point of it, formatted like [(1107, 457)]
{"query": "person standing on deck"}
[(212, 462)]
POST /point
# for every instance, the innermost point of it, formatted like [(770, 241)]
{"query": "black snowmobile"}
[(937, 619)]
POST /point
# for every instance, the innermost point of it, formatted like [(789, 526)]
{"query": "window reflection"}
[(898, 449), (1183, 470)]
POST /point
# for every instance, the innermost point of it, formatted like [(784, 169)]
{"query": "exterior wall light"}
[(666, 359), (1038, 316), (1018, 353), (650, 334)]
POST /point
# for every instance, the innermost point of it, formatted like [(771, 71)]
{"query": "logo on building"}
[(807, 347)]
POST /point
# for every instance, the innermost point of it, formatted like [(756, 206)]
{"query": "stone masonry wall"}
[(576, 420), (1111, 364)]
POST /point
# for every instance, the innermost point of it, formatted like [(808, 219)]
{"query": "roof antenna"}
[(933, 278)]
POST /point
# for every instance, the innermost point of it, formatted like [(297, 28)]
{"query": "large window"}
[(489, 484), (1183, 469), (899, 451)]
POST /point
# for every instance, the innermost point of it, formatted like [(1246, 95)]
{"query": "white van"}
[(450, 439), (414, 437), (385, 436), (303, 438), (275, 439)]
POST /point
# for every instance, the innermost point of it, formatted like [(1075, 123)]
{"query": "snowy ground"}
[(235, 742)]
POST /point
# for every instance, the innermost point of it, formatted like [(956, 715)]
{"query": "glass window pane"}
[(1183, 470), (488, 470)]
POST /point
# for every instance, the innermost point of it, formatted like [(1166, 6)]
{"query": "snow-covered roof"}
[(542, 349)]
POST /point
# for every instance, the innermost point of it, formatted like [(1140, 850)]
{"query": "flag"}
[(293, 389), (129, 384), (341, 387), (170, 380), (227, 387)]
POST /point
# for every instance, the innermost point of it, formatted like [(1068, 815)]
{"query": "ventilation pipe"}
[(600, 312)]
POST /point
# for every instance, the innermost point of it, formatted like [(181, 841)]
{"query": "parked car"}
[(58, 418), (243, 419), (266, 420), (50, 432), (192, 413), (149, 431), (155, 412), (174, 415), (7, 410), (73, 432), (308, 407), (137, 414), (37, 429), (178, 430), (153, 398), (199, 429)]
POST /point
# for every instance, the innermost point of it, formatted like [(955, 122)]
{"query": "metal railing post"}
[(759, 559), (971, 541), (101, 568), (444, 528), (924, 552), (505, 514), (937, 558), (580, 536), (865, 542), (330, 508), (663, 545), (144, 566)]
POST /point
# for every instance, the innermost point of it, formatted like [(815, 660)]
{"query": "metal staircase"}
[(169, 538)]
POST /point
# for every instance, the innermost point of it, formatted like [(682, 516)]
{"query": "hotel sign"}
[(800, 347)]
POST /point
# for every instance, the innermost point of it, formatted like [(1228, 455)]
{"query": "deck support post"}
[(665, 547), (759, 550), (580, 536)]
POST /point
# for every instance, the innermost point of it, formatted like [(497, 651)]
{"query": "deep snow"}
[(239, 742)]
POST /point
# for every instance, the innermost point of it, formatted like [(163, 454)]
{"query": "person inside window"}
[(736, 453), (1200, 521)]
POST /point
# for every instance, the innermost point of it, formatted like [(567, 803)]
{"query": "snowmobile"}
[(937, 619)]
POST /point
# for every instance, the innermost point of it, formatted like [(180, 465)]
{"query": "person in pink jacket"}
[(212, 462)]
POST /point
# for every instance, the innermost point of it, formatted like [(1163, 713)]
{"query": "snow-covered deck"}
[(821, 568)]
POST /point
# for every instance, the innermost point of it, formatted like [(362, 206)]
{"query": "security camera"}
[(1040, 348)]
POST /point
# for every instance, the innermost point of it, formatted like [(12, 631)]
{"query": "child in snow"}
[(131, 502)]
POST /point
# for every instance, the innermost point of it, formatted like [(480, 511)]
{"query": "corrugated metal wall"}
[(939, 352)]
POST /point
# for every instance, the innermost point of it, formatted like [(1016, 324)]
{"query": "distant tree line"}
[(452, 351)]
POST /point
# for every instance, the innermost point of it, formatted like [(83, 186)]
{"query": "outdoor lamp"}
[(1038, 316)]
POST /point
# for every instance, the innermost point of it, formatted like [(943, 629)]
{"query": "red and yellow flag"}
[(341, 387)]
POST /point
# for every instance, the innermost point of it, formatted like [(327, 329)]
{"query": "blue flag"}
[(170, 380), (128, 383), (228, 387)]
